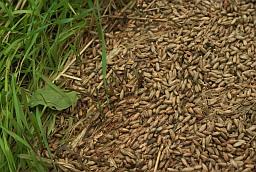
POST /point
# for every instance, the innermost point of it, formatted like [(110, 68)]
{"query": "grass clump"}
[(38, 37)]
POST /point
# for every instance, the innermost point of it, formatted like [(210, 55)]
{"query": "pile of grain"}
[(182, 86)]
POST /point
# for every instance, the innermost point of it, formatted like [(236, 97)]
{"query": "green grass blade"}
[(5, 147), (6, 10), (38, 117), (101, 36), (16, 137), (20, 116)]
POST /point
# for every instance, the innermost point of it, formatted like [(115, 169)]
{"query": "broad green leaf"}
[(52, 98)]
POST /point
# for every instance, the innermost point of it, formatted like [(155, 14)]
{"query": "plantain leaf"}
[(52, 98)]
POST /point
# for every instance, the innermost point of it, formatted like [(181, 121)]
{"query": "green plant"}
[(96, 14), (38, 37)]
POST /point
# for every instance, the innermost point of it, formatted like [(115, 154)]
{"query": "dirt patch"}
[(182, 86)]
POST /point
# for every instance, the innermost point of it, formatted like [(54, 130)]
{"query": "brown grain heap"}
[(182, 87)]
